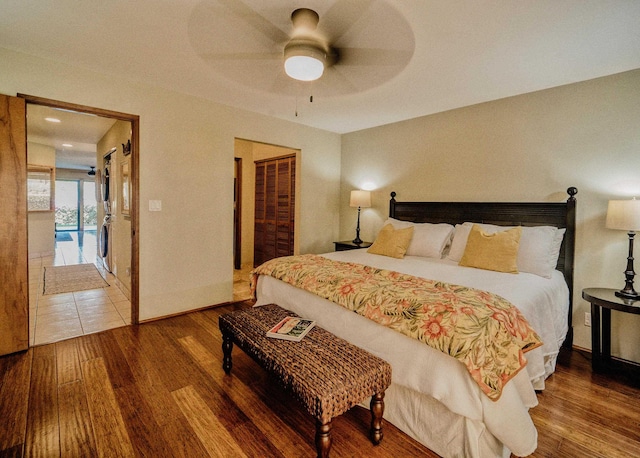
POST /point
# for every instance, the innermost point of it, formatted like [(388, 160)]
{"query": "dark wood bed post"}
[(392, 205), (569, 256), (558, 214)]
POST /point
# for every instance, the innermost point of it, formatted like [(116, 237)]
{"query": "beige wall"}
[(115, 137), (243, 149), (526, 148), (41, 225), (186, 161)]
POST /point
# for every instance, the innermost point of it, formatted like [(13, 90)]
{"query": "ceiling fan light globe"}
[(304, 60), (304, 68)]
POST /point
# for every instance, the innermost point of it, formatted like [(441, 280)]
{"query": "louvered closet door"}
[(275, 203), (259, 224)]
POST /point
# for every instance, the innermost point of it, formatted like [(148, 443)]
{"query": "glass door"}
[(67, 205)]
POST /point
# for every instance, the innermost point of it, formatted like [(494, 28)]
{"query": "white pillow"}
[(429, 240), (538, 252), (554, 254), (459, 242)]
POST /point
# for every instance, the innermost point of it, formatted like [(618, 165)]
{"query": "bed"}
[(433, 398)]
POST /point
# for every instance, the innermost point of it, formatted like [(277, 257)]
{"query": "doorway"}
[(77, 216), (246, 153)]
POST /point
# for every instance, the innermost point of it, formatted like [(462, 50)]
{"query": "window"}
[(39, 188)]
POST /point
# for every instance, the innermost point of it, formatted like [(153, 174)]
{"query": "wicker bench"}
[(327, 374)]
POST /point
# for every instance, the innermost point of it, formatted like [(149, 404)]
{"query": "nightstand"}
[(349, 245), (605, 299)]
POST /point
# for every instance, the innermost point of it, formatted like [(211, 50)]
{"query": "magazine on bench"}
[(291, 328)]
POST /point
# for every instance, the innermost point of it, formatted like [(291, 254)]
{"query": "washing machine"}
[(105, 242)]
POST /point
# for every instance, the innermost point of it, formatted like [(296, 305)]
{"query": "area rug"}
[(63, 237), (65, 279)]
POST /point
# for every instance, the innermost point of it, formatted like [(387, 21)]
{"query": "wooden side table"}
[(349, 245), (605, 299)]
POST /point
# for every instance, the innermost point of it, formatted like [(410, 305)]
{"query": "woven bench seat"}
[(326, 374)]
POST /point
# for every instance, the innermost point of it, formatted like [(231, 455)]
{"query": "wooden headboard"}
[(558, 214)]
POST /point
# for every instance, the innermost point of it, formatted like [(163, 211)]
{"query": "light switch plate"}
[(155, 205)]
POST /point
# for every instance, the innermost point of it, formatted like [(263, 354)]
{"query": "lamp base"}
[(357, 240), (628, 294)]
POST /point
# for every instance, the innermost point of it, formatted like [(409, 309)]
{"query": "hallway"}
[(57, 317)]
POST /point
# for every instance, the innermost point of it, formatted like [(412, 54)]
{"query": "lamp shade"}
[(360, 199), (624, 215)]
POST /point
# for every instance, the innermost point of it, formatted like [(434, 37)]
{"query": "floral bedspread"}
[(482, 330)]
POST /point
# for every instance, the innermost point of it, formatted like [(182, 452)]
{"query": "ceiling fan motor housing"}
[(304, 19)]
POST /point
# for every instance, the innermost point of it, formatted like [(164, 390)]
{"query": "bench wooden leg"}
[(323, 438), (377, 410), (227, 346)]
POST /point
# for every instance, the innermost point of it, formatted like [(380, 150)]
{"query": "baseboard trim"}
[(186, 312)]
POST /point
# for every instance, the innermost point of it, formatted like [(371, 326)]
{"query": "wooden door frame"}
[(14, 270), (237, 215), (135, 180)]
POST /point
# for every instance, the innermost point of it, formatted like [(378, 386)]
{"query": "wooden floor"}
[(158, 390)]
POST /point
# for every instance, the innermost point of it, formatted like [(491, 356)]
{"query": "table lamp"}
[(359, 199), (625, 215)]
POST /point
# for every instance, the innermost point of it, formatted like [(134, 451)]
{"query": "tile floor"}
[(241, 288), (57, 317)]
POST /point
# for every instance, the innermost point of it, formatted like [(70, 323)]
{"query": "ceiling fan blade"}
[(334, 82), (373, 56), (257, 21), (282, 84), (341, 16), (243, 40), (242, 56)]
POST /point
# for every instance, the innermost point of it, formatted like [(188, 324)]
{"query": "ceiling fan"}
[(348, 45), (306, 54)]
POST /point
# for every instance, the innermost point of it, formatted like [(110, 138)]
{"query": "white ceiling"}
[(74, 138), (429, 55)]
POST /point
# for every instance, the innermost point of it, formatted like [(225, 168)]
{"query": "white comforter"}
[(419, 370)]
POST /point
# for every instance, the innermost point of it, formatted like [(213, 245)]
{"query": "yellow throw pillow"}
[(497, 251), (392, 242)]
